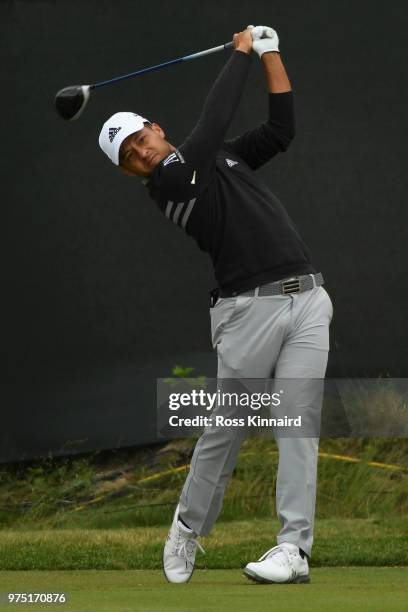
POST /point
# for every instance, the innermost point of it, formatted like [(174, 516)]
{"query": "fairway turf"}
[(342, 542), (352, 589)]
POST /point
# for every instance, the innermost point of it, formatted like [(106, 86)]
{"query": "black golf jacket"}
[(209, 188)]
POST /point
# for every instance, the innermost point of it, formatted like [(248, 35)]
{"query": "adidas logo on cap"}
[(231, 162), (113, 132)]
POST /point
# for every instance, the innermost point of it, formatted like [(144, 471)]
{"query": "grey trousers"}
[(259, 337)]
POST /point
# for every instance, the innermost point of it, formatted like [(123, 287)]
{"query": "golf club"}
[(71, 101)]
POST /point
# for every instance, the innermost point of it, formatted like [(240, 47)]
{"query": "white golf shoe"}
[(280, 564), (179, 552)]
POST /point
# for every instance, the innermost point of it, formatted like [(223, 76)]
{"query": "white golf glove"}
[(265, 39)]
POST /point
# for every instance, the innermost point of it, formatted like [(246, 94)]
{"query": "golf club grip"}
[(186, 58), (178, 60)]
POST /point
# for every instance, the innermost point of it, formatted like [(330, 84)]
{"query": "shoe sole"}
[(260, 580)]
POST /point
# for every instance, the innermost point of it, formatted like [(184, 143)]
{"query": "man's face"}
[(141, 152)]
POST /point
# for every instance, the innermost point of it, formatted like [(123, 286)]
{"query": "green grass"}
[(231, 545), (113, 511), (89, 492), (339, 589)]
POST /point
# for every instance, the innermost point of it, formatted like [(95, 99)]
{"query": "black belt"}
[(294, 284)]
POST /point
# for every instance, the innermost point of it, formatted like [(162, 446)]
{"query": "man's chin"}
[(155, 161)]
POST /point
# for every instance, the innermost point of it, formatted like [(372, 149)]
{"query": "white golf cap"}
[(116, 129)]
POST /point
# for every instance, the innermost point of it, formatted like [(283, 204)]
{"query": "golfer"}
[(270, 315)]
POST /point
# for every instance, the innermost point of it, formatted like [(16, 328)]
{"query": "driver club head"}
[(71, 101)]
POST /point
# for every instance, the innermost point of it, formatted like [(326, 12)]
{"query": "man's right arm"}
[(219, 108), (189, 173)]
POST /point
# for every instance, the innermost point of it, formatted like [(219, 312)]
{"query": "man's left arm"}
[(259, 145)]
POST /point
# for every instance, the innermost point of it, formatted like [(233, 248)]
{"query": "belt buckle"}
[(290, 285)]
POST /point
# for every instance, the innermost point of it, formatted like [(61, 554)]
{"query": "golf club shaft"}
[(178, 60)]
